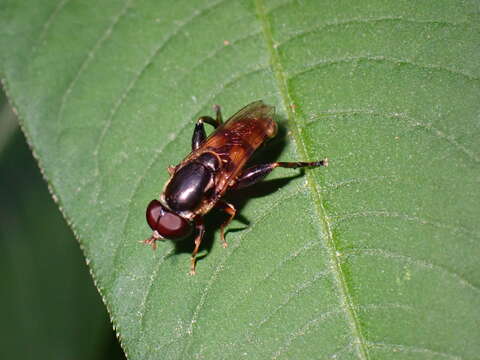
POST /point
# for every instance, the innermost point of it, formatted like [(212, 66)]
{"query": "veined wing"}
[(256, 110), (235, 141)]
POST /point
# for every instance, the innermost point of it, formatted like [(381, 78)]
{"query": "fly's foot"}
[(152, 240), (192, 267)]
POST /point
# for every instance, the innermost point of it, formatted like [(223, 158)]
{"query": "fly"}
[(217, 164)]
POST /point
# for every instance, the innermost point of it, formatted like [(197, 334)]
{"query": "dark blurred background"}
[(49, 307)]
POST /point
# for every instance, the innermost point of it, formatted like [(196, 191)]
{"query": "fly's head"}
[(165, 223)]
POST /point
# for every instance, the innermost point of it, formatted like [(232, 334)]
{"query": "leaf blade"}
[(367, 84)]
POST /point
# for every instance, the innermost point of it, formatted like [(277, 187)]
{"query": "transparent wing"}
[(235, 141), (255, 110)]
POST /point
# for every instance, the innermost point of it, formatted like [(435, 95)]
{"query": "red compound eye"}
[(172, 226), (154, 211), (168, 224)]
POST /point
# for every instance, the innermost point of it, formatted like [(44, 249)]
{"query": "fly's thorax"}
[(187, 214), (190, 185)]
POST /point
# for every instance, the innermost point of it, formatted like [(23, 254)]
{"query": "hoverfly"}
[(215, 165)]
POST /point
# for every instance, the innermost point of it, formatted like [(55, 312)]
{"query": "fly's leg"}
[(218, 114), (254, 174), (231, 211), (199, 134), (152, 240), (200, 228), (171, 170)]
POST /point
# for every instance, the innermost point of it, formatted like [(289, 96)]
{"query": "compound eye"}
[(154, 212), (173, 226)]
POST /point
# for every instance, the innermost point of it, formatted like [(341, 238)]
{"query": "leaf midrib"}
[(339, 276)]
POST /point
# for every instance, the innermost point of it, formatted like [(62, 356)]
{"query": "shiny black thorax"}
[(191, 183)]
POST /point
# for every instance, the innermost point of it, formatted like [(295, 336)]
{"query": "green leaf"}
[(375, 257), (8, 123)]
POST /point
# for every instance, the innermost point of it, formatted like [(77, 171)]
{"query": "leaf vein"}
[(359, 20), (304, 329), (381, 58), (410, 121), (297, 292), (324, 316), (393, 214), (216, 52), (414, 349), (90, 56), (415, 261), (46, 26), (355, 181), (153, 278), (277, 68), (251, 291)]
